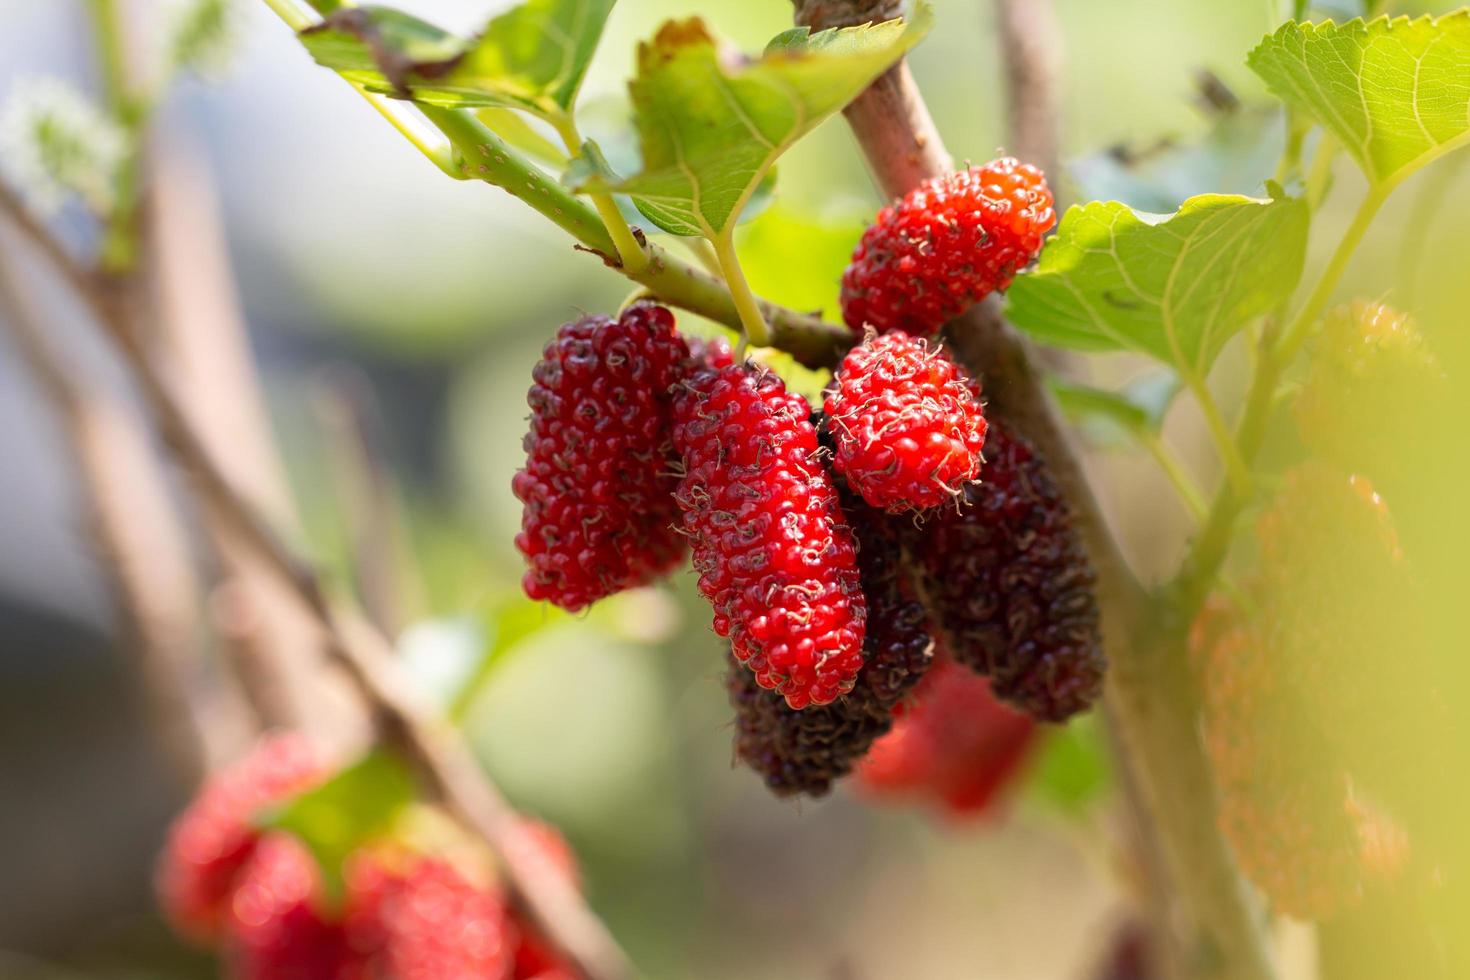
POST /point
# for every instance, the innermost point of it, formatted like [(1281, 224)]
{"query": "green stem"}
[(1208, 552), (1236, 469), (1320, 174), (704, 254), (630, 252), (745, 301), (1300, 329), (120, 235), (1183, 485), (296, 18)]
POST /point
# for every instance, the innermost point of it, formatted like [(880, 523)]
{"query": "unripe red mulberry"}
[(213, 839), (276, 928), (946, 245), (414, 918), (1009, 586), (806, 751), (1373, 395), (597, 486), (772, 549), (952, 744), (907, 429)]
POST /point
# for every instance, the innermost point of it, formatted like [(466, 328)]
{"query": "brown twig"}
[(1149, 693), (443, 763), (141, 549), (1031, 53)]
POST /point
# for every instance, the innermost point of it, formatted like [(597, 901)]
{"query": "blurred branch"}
[(345, 408), (1031, 49), (444, 764), (1149, 691), (139, 546)]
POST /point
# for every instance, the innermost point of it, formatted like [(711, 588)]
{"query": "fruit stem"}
[(745, 302), (1181, 481), (630, 252), (1236, 469), (1301, 326)]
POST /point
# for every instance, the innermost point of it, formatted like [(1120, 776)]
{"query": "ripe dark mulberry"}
[(907, 428), (952, 744), (1009, 585), (806, 751), (946, 245), (213, 839), (773, 551), (597, 487)]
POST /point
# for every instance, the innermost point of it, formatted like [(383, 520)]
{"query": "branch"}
[(1149, 691), (443, 763), (1031, 51), (140, 548)]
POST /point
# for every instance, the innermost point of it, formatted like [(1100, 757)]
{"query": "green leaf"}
[(1174, 287), (532, 57), (507, 623), (381, 48), (1396, 93), (711, 123), (796, 258), (1138, 409), (1072, 769), (354, 807)]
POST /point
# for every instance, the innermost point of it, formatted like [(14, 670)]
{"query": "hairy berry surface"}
[(946, 245), (773, 551), (213, 839), (806, 751), (907, 429), (597, 486), (1009, 585)]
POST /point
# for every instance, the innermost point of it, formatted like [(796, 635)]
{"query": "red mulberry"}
[(772, 549), (953, 744), (907, 429), (597, 486), (806, 751), (277, 929), (414, 918), (213, 839), (1008, 585), (946, 245)]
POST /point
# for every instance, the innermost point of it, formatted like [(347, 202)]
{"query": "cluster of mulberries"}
[(836, 549), (1300, 699), (259, 897)]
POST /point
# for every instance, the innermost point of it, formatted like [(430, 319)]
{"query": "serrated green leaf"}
[(1395, 92), (357, 805), (1175, 287), (711, 123), (531, 57)]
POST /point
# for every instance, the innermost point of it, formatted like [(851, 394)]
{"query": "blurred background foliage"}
[(357, 260)]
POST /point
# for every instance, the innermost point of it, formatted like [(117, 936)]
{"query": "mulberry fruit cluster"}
[(773, 551), (907, 428), (1300, 702), (1010, 587), (598, 516), (945, 246), (259, 897), (835, 550)]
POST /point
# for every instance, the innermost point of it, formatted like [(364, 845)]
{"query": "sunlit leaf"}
[(711, 123), (1395, 92), (354, 807), (533, 56), (1175, 287)]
